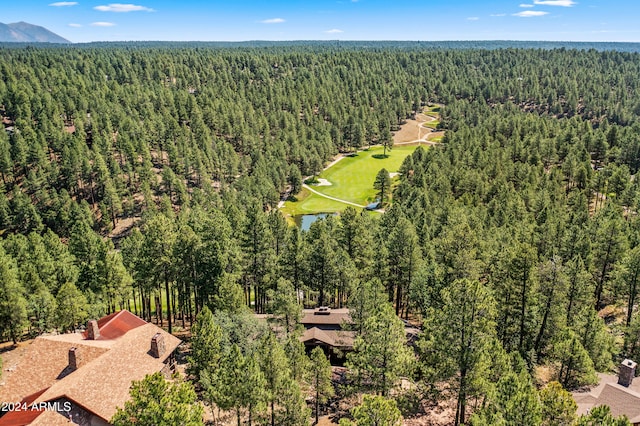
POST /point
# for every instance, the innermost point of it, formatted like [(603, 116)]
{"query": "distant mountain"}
[(28, 33)]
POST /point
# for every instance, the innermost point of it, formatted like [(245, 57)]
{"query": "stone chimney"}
[(93, 332), (74, 358), (627, 372), (157, 345)]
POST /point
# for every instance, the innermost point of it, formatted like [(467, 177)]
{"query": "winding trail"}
[(421, 140), (332, 198)]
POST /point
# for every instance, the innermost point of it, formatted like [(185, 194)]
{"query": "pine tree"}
[(601, 416), (320, 378), (13, 305), (157, 254), (576, 367), (380, 353), (627, 277), (382, 184), (205, 344), (72, 307), (286, 310), (558, 406), (375, 411), (275, 368), (386, 139), (157, 402), (460, 357)]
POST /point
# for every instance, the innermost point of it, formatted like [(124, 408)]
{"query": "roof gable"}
[(117, 324), (23, 417), (622, 401), (106, 367), (103, 385), (341, 339)]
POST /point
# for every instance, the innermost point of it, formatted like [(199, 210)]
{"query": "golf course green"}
[(350, 181)]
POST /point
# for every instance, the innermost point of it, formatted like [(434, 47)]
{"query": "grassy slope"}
[(352, 180)]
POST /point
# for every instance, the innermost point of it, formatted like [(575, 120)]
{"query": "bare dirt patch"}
[(408, 132), (415, 130), (123, 227), (326, 421)]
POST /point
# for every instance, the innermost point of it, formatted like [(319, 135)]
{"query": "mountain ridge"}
[(24, 32)]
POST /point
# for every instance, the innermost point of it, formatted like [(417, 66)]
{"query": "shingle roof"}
[(335, 317), (106, 368), (51, 418), (103, 385), (44, 360), (335, 338), (23, 417), (621, 400), (117, 324)]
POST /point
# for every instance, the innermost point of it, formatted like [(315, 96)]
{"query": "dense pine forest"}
[(147, 177)]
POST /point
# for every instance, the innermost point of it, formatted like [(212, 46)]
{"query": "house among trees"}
[(328, 329), (622, 397), (324, 328), (85, 377)]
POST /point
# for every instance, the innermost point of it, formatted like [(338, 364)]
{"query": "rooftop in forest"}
[(92, 371)]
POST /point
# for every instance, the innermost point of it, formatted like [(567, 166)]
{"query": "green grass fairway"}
[(352, 180), (310, 203)]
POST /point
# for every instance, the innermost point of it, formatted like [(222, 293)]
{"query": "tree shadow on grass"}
[(380, 156)]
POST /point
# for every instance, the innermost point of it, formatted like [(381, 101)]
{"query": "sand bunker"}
[(323, 182)]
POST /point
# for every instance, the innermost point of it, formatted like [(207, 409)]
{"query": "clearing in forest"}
[(351, 180)]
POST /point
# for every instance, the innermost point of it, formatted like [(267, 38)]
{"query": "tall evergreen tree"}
[(320, 379), (460, 357), (382, 184), (380, 353), (13, 305), (158, 402)]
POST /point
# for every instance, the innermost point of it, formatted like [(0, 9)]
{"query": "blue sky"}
[(183, 20)]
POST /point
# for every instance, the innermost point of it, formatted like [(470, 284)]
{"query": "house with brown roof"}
[(619, 393), (82, 378), (324, 327)]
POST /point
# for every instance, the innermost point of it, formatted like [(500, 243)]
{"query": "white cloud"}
[(563, 3), (273, 21), (498, 14), (473, 18), (334, 31), (75, 25), (530, 13), (103, 24), (63, 3), (526, 5), (120, 7)]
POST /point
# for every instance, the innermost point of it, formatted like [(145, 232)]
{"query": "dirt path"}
[(405, 132), (414, 131)]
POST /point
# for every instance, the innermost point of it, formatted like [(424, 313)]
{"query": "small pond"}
[(304, 221)]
